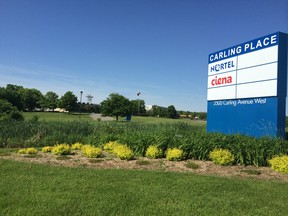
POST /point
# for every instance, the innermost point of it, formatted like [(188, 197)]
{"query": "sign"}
[(247, 87)]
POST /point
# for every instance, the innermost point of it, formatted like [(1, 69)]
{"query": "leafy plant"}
[(22, 151), (123, 152), (153, 152), (61, 149), (279, 164), (174, 154), (76, 146), (29, 151), (47, 149), (221, 157), (91, 152), (110, 146)]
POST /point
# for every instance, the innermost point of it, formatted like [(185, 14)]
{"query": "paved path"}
[(97, 116)]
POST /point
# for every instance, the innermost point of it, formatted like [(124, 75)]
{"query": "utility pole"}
[(81, 92), (138, 94)]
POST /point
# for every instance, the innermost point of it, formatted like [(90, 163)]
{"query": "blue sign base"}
[(255, 117)]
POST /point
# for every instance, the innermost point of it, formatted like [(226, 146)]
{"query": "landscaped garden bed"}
[(109, 161)]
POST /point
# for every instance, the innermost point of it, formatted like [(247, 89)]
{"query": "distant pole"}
[(138, 94), (81, 92)]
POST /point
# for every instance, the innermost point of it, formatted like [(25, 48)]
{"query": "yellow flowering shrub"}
[(221, 157), (22, 151), (47, 149), (123, 152), (153, 152), (76, 146), (174, 154), (31, 151), (83, 148), (109, 147), (91, 151), (28, 151), (279, 164), (61, 149)]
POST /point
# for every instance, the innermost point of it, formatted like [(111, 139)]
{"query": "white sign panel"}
[(244, 71)]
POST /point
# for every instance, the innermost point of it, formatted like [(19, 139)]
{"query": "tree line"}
[(14, 98), (30, 99)]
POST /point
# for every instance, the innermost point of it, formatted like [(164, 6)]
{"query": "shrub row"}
[(121, 151), (218, 156)]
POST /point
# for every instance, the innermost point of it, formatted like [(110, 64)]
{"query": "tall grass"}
[(192, 139)]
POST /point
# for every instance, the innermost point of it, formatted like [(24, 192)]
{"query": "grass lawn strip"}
[(40, 189)]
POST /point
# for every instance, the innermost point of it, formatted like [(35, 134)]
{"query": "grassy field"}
[(32, 189), (149, 120), (54, 116)]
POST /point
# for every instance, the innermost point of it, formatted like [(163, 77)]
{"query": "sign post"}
[(247, 86)]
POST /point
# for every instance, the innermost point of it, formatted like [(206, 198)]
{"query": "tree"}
[(50, 100), (158, 111), (202, 115), (2, 93), (9, 112), (138, 107), (68, 101), (116, 105), (13, 94), (171, 112), (89, 108), (32, 99)]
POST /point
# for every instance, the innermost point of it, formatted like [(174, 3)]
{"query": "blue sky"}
[(157, 47)]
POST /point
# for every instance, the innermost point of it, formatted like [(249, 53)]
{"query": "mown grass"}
[(158, 120), (33, 189), (56, 116)]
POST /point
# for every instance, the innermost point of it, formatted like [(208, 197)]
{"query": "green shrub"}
[(47, 149), (174, 154), (123, 152), (8, 112), (61, 149), (91, 152), (221, 157), (153, 152), (279, 164)]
